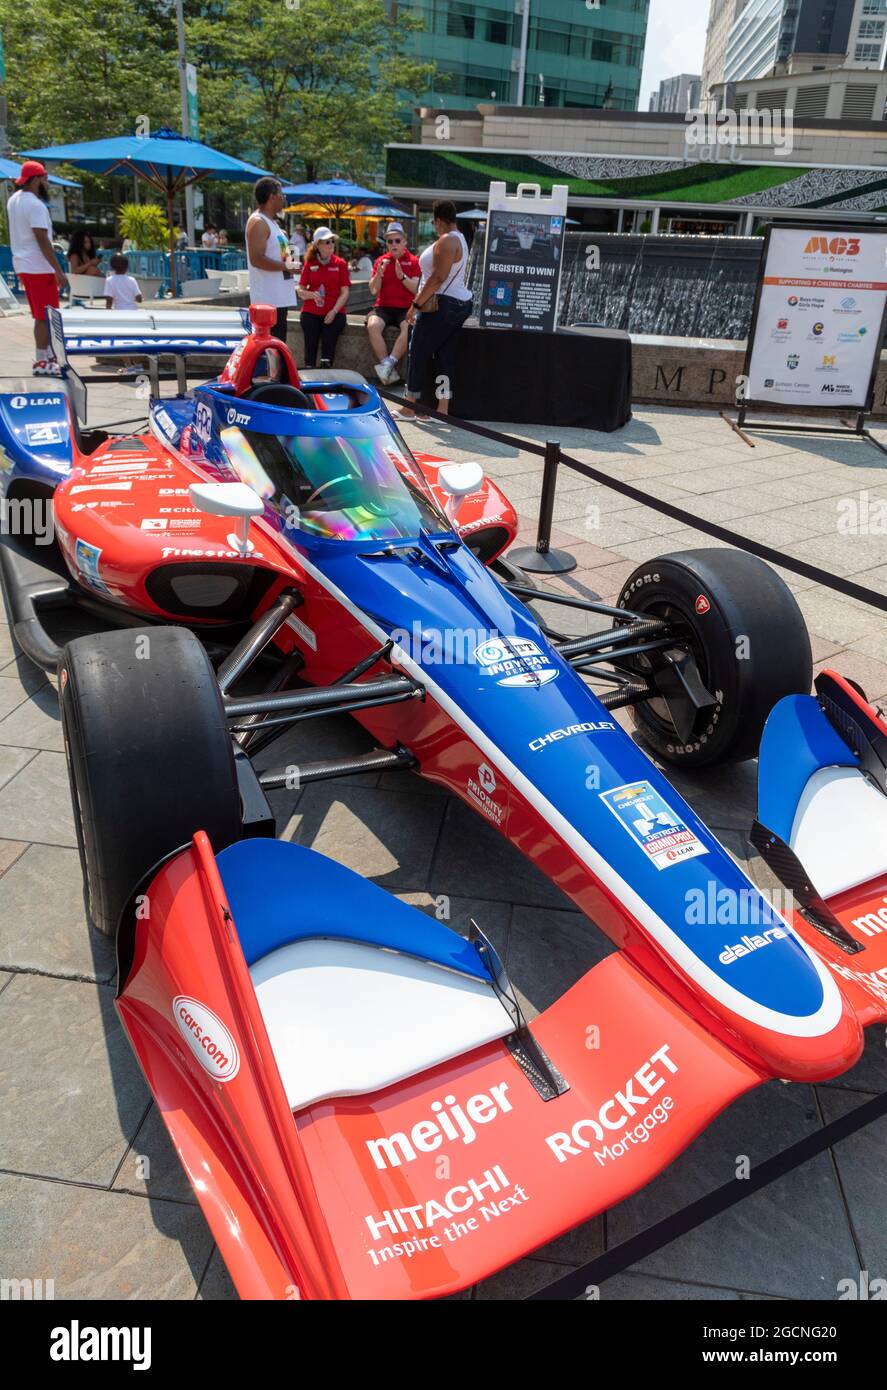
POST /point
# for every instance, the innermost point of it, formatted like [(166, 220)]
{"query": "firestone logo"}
[(834, 246)]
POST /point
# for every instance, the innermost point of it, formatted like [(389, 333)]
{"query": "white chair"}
[(149, 285), (201, 289), (87, 287)]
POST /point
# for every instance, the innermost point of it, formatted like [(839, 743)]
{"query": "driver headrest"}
[(241, 365)]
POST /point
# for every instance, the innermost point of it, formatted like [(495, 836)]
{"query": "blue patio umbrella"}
[(165, 159), (339, 197), (10, 170)]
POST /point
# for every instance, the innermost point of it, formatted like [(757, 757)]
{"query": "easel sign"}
[(819, 319), (523, 257)]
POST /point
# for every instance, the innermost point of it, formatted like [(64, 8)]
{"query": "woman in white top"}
[(435, 334), (271, 277)]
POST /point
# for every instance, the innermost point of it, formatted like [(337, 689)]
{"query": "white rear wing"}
[(145, 332)]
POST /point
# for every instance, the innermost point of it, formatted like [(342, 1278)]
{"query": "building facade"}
[(785, 36), (679, 93), (722, 16), (530, 52), (646, 172)]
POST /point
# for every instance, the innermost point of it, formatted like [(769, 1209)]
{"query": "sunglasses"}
[(394, 240)]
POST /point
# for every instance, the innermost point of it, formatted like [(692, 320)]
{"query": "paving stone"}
[(474, 860), (641, 1287), (519, 1280), (493, 918), (12, 760), (34, 722), (36, 804), (151, 1167), (838, 619), (790, 1239), (216, 1285), (867, 671), (72, 1093), (97, 1246), (860, 1164), (548, 952), (22, 671), (386, 836), (43, 924)]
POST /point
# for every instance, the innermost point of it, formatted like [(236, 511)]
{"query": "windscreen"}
[(341, 487)]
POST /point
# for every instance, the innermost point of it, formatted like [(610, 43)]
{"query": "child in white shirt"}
[(121, 289), (122, 292)]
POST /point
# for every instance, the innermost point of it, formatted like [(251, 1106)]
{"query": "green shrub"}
[(145, 226)]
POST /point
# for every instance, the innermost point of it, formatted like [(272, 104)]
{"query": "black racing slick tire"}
[(150, 759), (750, 641)]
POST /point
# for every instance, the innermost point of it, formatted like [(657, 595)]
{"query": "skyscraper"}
[(530, 52), (722, 16), (768, 33)]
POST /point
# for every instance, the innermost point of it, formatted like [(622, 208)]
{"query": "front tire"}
[(150, 759), (748, 636)]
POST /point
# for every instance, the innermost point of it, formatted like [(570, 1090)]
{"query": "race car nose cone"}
[(262, 316)]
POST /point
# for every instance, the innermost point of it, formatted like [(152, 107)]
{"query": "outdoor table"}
[(565, 378)]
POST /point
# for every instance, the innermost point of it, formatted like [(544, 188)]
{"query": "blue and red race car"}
[(355, 1094)]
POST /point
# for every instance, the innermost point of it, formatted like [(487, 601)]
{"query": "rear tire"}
[(150, 759), (749, 638)]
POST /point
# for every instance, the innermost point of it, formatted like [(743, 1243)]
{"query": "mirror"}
[(459, 480), (229, 499)]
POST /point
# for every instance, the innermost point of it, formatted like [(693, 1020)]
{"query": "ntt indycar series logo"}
[(514, 661), (625, 1114)]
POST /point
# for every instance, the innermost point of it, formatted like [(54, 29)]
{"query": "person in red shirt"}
[(324, 286), (394, 282)]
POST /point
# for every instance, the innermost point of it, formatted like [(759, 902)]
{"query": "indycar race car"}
[(356, 1096)]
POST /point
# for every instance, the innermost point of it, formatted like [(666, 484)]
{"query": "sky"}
[(675, 42)]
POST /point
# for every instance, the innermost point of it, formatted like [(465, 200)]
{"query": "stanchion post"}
[(541, 559)]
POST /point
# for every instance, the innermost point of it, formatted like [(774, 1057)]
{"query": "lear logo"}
[(208, 1038), (837, 246), (871, 923), (19, 402), (76, 1343)]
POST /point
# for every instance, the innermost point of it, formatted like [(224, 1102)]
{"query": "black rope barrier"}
[(662, 1233), (839, 585)]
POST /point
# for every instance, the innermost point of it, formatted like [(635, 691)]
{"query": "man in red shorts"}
[(33, 259), (394, 282)]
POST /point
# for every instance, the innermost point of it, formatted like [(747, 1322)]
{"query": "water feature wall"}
[(679, 286)]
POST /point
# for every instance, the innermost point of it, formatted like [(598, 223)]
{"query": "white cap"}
[(323, 234)]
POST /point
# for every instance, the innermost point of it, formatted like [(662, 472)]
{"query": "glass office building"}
[(773, 31), (574, 55)]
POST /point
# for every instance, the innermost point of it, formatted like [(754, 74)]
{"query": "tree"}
[(307, 88), (78, 75)]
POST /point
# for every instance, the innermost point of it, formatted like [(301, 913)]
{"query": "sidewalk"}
[(91, 1194)]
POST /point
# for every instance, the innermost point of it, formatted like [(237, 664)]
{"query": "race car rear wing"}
[(147, 333)]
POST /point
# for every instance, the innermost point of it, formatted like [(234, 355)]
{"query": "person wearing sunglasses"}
[(394, 281), (323, 288)]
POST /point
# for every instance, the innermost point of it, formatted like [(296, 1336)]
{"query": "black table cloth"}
[(571, 377)]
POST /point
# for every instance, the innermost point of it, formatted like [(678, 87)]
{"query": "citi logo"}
[(834, 246)]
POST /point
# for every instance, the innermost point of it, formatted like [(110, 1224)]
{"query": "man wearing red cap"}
[(33, 259)]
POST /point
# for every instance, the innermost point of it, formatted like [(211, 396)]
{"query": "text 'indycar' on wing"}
[(315, 1046)]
